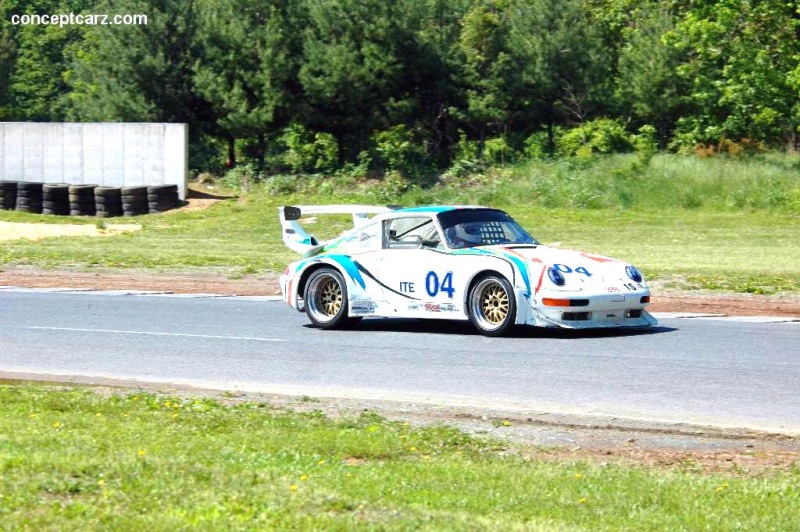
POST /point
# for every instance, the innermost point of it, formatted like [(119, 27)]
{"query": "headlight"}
[(633, 273), (556, 276)]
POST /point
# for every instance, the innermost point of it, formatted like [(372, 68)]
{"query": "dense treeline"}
[(415, 85)]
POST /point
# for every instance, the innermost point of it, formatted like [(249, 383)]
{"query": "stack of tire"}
[(29, 197), (162, 198), (108, 201), (55, 199), (134, 201), (81, 200), (8, 195)]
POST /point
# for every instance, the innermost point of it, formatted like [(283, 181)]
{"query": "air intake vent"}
[(576, 316)]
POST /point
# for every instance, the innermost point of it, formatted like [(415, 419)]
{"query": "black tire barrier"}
[(81, 200), (28, 186), (108, 201), (56, 191), (8, 195), (161, 198), (161, 189), (134, 191), (29, 197), (109, 192), (55, 200), (87, 199), (135, 207), (26, 200), (134, 201)]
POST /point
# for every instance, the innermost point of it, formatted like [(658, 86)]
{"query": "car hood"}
[(551, 255), (582, 271)]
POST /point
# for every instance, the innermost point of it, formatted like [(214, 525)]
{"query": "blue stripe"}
[(350, 267)]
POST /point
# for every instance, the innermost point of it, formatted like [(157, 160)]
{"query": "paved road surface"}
[(724, 373)]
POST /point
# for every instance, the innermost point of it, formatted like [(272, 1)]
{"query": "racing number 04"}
[(433, 286)]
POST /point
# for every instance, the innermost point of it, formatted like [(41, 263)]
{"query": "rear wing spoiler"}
[(299, 241)]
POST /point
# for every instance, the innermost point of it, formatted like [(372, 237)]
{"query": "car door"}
[(418, 273)]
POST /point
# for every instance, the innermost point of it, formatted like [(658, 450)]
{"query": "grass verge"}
[(72, 458)]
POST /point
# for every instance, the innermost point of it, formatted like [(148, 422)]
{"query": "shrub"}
[(401, 149), (307, 151), (536, 145), (598, 136), (497, 151), (241, 178)]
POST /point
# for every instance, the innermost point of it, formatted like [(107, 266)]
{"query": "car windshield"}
[(464, 228)]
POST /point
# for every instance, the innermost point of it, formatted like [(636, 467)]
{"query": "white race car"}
[(453, 262)]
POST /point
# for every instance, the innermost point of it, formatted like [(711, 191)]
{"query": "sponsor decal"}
[(363, 306), (440, 307), (612, 289), (415, 306)]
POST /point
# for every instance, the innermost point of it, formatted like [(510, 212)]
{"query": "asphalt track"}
[(722, 372)]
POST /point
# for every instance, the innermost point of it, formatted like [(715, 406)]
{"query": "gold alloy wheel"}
[(494, 302), (330, 296), (325, 297), (490, 305)]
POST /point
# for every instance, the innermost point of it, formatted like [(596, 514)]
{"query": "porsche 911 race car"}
[(453, 262)]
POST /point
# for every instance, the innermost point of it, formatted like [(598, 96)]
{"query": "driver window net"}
[(492, 233)]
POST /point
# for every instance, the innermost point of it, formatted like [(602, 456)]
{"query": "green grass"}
[(73, 459), (710, 223)]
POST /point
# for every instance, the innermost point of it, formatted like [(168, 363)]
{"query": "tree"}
[(647, 81), (8, 50), (352, 70), (560, 61), (740, 57), (487, 69), (246, 67), (143, 72), (34, 60)]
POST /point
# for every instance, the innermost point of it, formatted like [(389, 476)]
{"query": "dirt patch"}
[(35, 231), (178, 282)]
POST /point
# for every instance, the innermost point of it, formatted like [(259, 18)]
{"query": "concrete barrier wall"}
[(107, 154)]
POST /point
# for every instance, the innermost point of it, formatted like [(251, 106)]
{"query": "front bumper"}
[(592, 311)]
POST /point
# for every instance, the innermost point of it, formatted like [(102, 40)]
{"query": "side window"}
[(410, 233)]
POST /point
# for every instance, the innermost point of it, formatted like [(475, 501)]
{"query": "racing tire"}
[(492, 305), (325, 300)]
